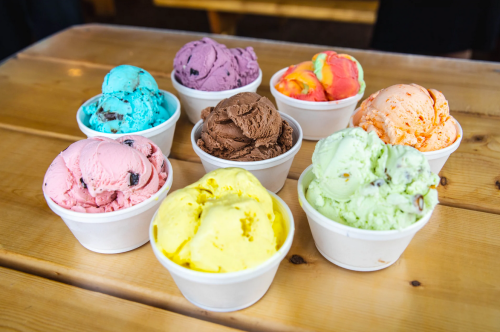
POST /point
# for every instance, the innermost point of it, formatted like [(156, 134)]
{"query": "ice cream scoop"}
[(209, 66), (245, 127), (103, 175), (329, 76), (300, 82), (364, 183), (340, 74), (225, 222), (248, 67), (408, 114), (130, 102)]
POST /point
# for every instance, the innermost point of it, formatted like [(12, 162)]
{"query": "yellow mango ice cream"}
[(225, 222)]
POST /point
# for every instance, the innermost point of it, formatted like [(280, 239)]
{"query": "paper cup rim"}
[(208, 277), (436, 153), (335, 225), (60, 211), (214, 94), (323, 105), (146, 133), (232, 163)]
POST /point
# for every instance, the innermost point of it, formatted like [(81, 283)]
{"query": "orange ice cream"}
[(409, 114), (340, 74), (299, 82)]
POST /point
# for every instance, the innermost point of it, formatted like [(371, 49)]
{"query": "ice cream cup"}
[(318, 119), (118, 231), (224, 292), (194, 101), (352, 248), (272, 173), (437, 158), (162, 135)]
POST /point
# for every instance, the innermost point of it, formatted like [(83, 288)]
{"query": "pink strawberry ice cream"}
[(100, 174), (209, 66)]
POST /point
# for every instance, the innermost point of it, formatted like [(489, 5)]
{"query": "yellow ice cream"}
[(225, 222)]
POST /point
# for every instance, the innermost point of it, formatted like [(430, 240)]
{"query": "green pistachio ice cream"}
[(364, 183)]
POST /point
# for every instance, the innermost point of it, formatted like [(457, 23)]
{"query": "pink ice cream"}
[(209, 66), (100, 174)]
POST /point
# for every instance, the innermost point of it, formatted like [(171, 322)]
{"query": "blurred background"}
[(453, 28)]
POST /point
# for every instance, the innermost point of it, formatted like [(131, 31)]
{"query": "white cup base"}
[(354, 268)]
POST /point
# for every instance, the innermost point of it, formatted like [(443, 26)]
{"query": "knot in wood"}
[(443, 181), (296, 259)]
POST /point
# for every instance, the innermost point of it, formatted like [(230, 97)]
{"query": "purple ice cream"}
[(209, 66), (247, 64)]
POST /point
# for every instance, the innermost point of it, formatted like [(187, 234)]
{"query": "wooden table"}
[(49, 281), (223, 14)]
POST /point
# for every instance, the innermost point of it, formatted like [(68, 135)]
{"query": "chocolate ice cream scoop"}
[(245, 127)]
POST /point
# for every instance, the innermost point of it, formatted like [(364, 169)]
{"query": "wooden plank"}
[(455, 258), (343, 11), (470, 86), (32, 88), (30, 303)]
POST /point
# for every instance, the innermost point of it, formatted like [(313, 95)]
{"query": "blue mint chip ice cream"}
[(130, 102)]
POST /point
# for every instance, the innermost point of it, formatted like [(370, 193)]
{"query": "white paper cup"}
[(272, 173), (118, 231), (318, 119), (437, 158), (352, 248), (162, 135), (194, 101), (224, 292)]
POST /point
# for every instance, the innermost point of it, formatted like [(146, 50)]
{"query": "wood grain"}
[(30, 303), (470, 86), (455, 258), (344, 11), (41, 97)]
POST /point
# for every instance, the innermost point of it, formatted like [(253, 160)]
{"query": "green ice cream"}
[(364, 183)]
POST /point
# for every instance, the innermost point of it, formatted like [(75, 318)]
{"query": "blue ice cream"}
[(130, 102)]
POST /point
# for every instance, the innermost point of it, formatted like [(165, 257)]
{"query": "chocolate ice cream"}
[(245, 127)]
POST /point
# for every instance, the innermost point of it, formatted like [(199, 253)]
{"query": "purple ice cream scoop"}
[(206, 65), (209, 66), (248, 67)]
